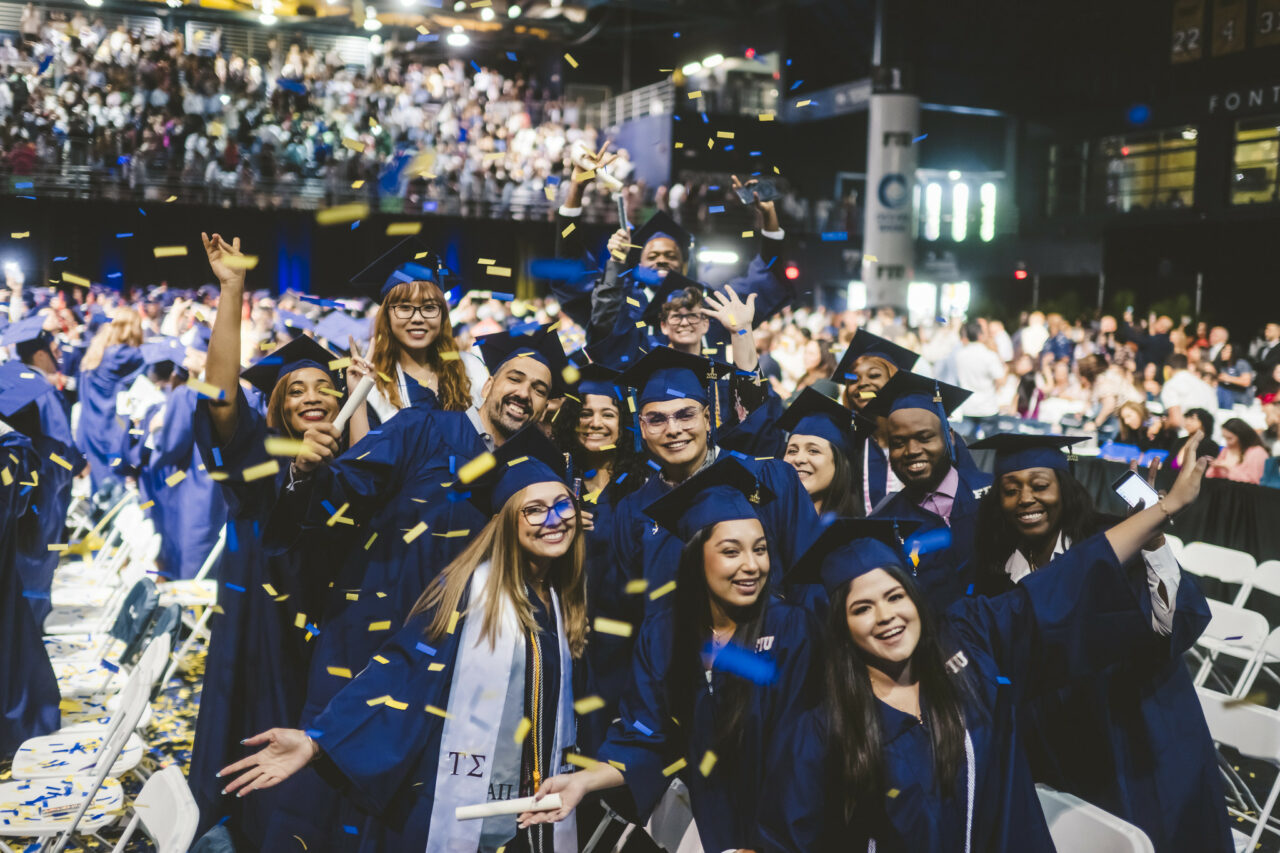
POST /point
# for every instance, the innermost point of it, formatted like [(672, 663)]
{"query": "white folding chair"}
[(1268, 653), (1232, 632), (197, 592), (1224, 564), (1080, 827), (1254, 732), (74, 749), (166, 811)]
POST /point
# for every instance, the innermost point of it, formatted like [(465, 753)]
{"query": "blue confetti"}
[(328, 507), (234, 586), (1000, 679), (969, 591), (728, 148), (788, 63), (654, 465), (454, 497), (124, 234), (677, 118), (938, 539), (425, 649), (355, 225), (313, 733), (795, 85), (225, 818), (747, 665), (834, 236), (115, 275), (233, 541), (508, 297), (642, 728), (428, 37), (25, 185), (34, 593), (475, 67), (921, 138), (59, 258), (312, 630), (705, 118), (621, 477), (589, 474), (217, 457), (143, 212), (349, 829), (109, 666), (716, 208), (714, 188), (511, 56), (676, 34), (754, 153)]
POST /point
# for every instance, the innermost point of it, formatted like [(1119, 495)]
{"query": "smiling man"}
[(936, 490)]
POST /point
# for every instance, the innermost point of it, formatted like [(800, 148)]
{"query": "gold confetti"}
[(423, 30), (6, 477), (569, 59), (711, 143), (256, 472), (570, 375), (522, 730), (332, 392), (147, 505), (587, 705), (695, 94), (174, 198), (636, 586), (724, 134), (476, 467), (271, 590), (453, 621), (170, 251), (453, 534), (766, 116), (708, 762), (892, 793), (175, 478), (241, 262), (748, 234), (53, 457), (613, 626), (568, 230), (504, 272), (803, 103), (415, 531), (340, 363), (403, 229), (662, 590), (384, 625), (378, 700), (300, 621), (204, 389), (435, 667), (399, 706), (342, 213), (675, 767), (19, 235), (78, 280), (58, 547), (867, 395), (439, 712), (338, 518), (370, 542), (580, 760), (340, 671), (279, 445), (354, 144), (381, 659)]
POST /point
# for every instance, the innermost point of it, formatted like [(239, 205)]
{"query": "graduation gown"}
[(1073, 619), (386, 757), (48, 501), (391, 481), (1133, 740), (725, 802), (946, 575), (255, 674), (101, 432), (29, 693)]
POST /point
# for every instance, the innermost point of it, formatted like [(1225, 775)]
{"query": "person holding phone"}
[(1107, 739)]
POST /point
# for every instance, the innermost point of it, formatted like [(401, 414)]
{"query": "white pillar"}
[(888, 245)]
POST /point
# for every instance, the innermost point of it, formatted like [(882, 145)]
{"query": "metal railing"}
[(655, 99)]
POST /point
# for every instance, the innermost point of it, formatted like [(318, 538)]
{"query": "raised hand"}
[(1187, 487), (219, 251), (619, 243), (360, 366), (730, 311), (768, 213), (286, 751), (321, 444)]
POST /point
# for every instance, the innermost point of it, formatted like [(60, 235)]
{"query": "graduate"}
[(471, 701), (255, 675), (58, 461), (29, 695), (938, 488), (919, 746), (1107, 740), (413, 345), (722, 655), (112, 361), (869, 362)]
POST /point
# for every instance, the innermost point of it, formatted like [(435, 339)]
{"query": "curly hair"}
[(627, 465)]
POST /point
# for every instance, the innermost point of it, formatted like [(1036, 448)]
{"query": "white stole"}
[(479, 759)]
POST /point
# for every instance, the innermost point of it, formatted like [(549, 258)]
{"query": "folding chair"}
[(1080, 827), (92, 674), (1223, 564), (1232, 632), (197, 592), (166, 811), (1254, 732)]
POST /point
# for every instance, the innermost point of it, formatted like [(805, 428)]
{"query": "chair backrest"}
[(1267, 577), (1080, 827), (1251, 729), (1225, 564), (135, 615), (215, 554), (154, 658), (1235, 626), (167, 812)]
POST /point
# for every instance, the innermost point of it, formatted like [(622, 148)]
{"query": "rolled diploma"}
[(549, 803), (622, 211), (363, 387)]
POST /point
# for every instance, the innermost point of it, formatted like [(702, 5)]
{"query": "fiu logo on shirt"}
[(978, 493), (764, 644), (957, 662), (477, 768)]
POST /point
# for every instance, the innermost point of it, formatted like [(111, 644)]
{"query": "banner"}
[(888, 248)]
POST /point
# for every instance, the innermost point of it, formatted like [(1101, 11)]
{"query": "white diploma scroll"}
[(363, 387), (496, 808)]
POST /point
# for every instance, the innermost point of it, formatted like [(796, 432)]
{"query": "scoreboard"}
[(1222, 27)]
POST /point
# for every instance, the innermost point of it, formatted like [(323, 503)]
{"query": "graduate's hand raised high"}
[(219, 251), (322, 442), (286, 752), (619, 243), (1156, 542), (768, 213), (1129, 536)]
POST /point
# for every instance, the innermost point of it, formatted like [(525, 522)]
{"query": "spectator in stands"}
[(1235, 376), (1108, 386), (980, 370), (1142, 430), (1218, 337), (819, 363), (1151, 383), (1243, 457), (1184, 390), (1154, 344), (1028, 396), (1030, 339), (1265, 355), (1059, 345), (1271, 435)]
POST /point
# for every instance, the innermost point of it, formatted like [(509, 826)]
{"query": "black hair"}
[(853, 715), (1206, 419), (691, 602), (1246, 435), (624, 458), (972, 331), (997, 537), (1177, 361)]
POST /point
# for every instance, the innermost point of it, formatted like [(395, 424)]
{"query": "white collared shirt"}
[(1162, 568)]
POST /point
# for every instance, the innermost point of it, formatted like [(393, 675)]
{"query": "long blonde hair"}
[(453, 384), (498, 544), (125, 328)]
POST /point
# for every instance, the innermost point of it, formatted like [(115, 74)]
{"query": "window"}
[(933, 212), (987, 220), (959, 211), (1253, 178), (1154, 170), (1068, 166)]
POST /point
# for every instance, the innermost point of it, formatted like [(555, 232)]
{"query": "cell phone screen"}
[(1133, 490)]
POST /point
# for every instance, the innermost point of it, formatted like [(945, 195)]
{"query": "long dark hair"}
[(841, 497), (692, 606), (1245, 435), (853, 716), (997, 536), (625, 459)]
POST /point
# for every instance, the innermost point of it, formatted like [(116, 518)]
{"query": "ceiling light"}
[(712, 61), (267, 19), (954, 174), (460, 5), (692, 68), (457, 39), (94, 3), (486, 14), (513, 11)]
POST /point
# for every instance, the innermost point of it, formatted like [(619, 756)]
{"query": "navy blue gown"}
[(101, 432), (1071, 620), (726, 802)]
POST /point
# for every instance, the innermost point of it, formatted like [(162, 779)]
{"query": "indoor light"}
[(457, 39)]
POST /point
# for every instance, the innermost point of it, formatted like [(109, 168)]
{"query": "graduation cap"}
[(407, 261), (19, 388), (907, 390), (659, 225), (595, 378), (298, 353), (866, 344), (1017, 452), (673, 285), (542, 345), (725, 491), (337, 327), (28, 334), (814, 413), (159, 350), (667, 374), (848, 548), (292, 322), (525, 458)]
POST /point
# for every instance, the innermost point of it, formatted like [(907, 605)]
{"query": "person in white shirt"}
[(978, 369), (1184, 390)]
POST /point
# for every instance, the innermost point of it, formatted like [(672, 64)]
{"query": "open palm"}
[(286, 752), (219, 251), (730, 311)]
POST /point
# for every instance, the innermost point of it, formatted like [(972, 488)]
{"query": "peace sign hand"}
[(360, 366)]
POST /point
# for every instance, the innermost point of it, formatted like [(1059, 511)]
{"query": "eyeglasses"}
[(536, 514), (682, 419), (675, 320), (405, 310)]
